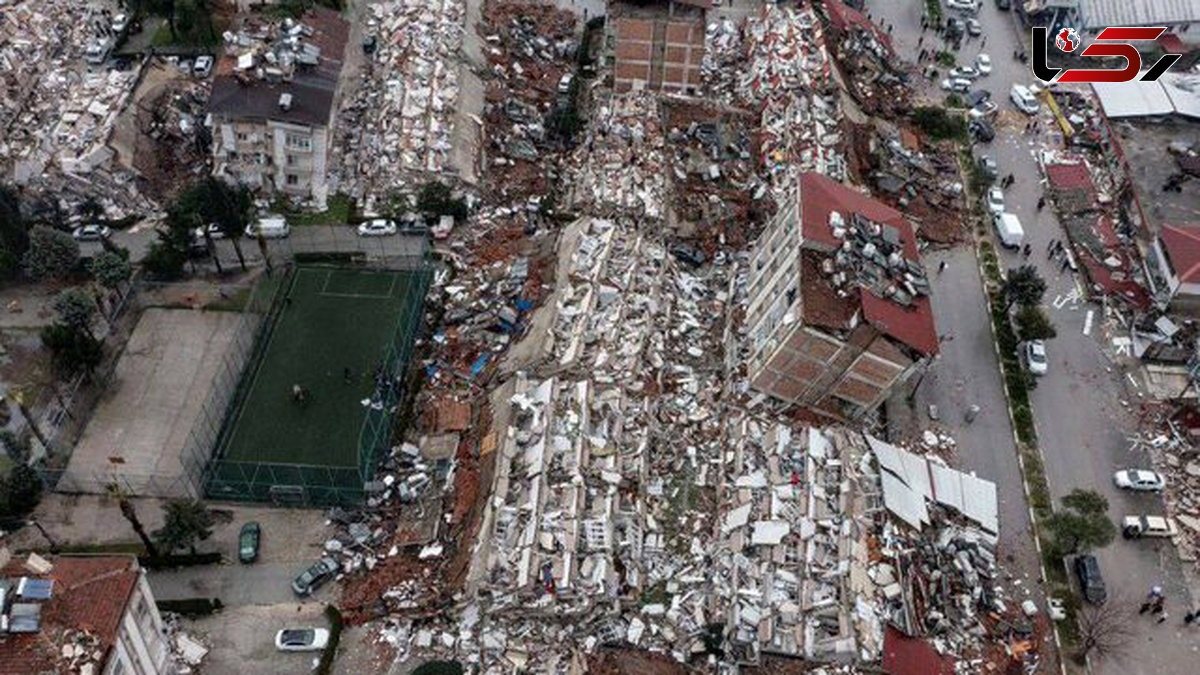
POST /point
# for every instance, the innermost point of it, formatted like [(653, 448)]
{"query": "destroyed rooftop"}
[(87, 595), (872, 253), (261, 64), (1146, 146)]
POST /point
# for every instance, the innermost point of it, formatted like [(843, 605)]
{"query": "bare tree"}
[(129, 511), (1105, 631)]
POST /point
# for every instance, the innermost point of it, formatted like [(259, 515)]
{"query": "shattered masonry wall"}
[(623, 164)]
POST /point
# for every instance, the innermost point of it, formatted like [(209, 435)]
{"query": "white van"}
[(1024, 99), (1009, 230), (270, 227)]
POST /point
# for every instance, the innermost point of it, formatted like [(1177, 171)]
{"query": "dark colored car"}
[(1004, 4), (314, 577), (1087, 568), (982, 131), (248, 541)]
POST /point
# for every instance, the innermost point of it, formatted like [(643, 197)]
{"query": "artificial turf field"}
[(331, 319)]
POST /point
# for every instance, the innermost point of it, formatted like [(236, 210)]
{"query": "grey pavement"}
[(265, 583), (1080, 406)]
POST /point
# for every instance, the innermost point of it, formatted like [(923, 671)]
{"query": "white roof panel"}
[(1184, 92), (1104, 13), (980, 503), (888, 456), (947, 486), (1133, 99), (903, 502)]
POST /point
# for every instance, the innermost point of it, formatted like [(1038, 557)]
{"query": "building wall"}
[(141, 646), (273, 156)]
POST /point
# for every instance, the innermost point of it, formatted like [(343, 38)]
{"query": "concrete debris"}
[(1168, 436), (400, 117), (621, 164)]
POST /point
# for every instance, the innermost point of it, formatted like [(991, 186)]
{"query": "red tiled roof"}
[(88, 594), (1069, 176), (843, 16), (820, 196), (912, 656), (1183, 245)]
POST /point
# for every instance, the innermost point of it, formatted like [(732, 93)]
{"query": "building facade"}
[(656, 46), (839, 312), (100, 606), (272, 107)]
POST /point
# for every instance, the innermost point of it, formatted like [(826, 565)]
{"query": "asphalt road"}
[(308, 239), (264, 583), (1080, 406)]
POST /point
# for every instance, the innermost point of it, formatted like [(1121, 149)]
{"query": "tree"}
[(20, 491), (17, 447), (52, 254), (1082, 524), (110, 269), (129, 511), (185, 522), (1023, 286), (1033, 324), (71, 349), (76, 308), (437, 199), (14, 233), (213, 201), (1105, 631)]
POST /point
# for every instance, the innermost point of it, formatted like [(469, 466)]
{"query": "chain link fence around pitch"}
[(298, 484)]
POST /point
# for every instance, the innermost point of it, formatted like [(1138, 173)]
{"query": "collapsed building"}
[(272, 101), (839, 311)]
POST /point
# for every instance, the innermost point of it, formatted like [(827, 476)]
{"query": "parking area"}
[(241, 640)]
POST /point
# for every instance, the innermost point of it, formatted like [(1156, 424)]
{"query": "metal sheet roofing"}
[(1104, 13)]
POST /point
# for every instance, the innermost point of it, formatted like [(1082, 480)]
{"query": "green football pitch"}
[(332, 333)]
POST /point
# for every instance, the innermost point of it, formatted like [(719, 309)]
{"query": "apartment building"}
[(272, 105), (839, 312), (78, 615)]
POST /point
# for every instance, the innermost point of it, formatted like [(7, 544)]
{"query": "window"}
[(299, 142), (293, 179), (231, 156), (291, 160), (241, 136)]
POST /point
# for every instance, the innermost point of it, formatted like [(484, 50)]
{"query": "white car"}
[(963, 72), (378, 227), (92, 232), (1035, 357), (957, 85), (203, 66), (213, 231), (983, 63), (983, 110), (995, 200), (301, 639), (97, 51), (269, 227), (119, 23), (964, 5), (1024, 99), (1139, 480)]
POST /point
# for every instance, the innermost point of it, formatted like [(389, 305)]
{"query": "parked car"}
[(1139, 480), (983, 110), (1087, 568), (995, 200), (1035, 357), (119, 23), (954, 27), (963, 72), (270, 227), (1024, 99), (97, 51), (1004, 5), (248, 541), (963, 5), (974, 28), (564, 83), (1136, 527), (983, 63), (377, 227), (203, 66), (956, 85), (314, 577), (301, 639), (981, 130), (93, 232), (214, 231)]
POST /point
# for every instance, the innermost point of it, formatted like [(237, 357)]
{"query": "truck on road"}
[(1136, 527)]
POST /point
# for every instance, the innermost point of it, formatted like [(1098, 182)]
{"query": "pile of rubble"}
[(57, 116), (531, 49), (175, 144), (622, 163), (400, 117), (918, 180)]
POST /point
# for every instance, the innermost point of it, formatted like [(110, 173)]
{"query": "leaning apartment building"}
[(839, 312), (272, 103)]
